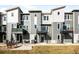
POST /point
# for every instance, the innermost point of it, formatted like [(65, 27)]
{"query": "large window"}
[(68, 16), (46, 17)]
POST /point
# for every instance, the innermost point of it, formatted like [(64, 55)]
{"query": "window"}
[(35, 26), (78, 19), (23, 17), (12, 25), (4, 28), (68, 26), (35, 14), (58, 37), (71, 16), (58, 13), (35, 20), (46, 17), (68, 16), (12, 14), (17, 25), (65, 17), (27, 17), (47, 28), (22, 22), (4, 18), (27, 27), (58, 26)]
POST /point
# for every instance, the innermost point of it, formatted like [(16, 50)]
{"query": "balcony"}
[(43, 30), (66, 30), (16, 30)]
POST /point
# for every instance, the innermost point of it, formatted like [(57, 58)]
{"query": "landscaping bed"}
[(72, 49)]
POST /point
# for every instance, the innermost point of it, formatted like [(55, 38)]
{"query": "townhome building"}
[(57, 26)]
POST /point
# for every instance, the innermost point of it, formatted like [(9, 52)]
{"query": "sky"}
[(44, 8), (44, 5)]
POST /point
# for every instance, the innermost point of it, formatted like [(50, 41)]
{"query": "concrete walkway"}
[(23, 47), (52, 44)]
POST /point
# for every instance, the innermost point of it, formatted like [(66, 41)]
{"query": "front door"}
[(19, 38), (42, 38)]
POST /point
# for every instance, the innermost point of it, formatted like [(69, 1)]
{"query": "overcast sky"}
[(44, 5), (45, 8)]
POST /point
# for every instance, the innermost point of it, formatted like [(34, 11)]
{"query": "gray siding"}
[(55, 30), (32, 15), (75, 22)]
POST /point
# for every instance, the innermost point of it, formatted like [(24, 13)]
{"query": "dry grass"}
[(45, 50)]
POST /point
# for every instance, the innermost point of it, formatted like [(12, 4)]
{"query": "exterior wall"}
[(56, 31), (76, 26), (57, 18), (46, 21), (69, 22), (27, 23), (9, 31), (76, 38), (14, 18), (4, 19), (50, 31), (75, 22), (32, 25), (32, 37)]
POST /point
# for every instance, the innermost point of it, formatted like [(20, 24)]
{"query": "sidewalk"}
[(24, 47)]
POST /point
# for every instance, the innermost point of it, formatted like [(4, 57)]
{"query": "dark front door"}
[(19, 38), (42, 39), (1, 40)]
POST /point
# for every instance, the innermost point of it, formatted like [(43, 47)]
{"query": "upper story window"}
[(27, 17), (58, 26), (12, 14), (35, 14), (58, 13), (35, 26), (4, 18), (68, 16), (23, 17), (46, 17)]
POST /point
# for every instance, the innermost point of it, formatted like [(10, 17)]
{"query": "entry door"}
[(42, 38), (1, 40), (19, 38)]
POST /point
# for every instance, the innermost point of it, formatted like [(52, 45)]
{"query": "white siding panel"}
[(14, 18)]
